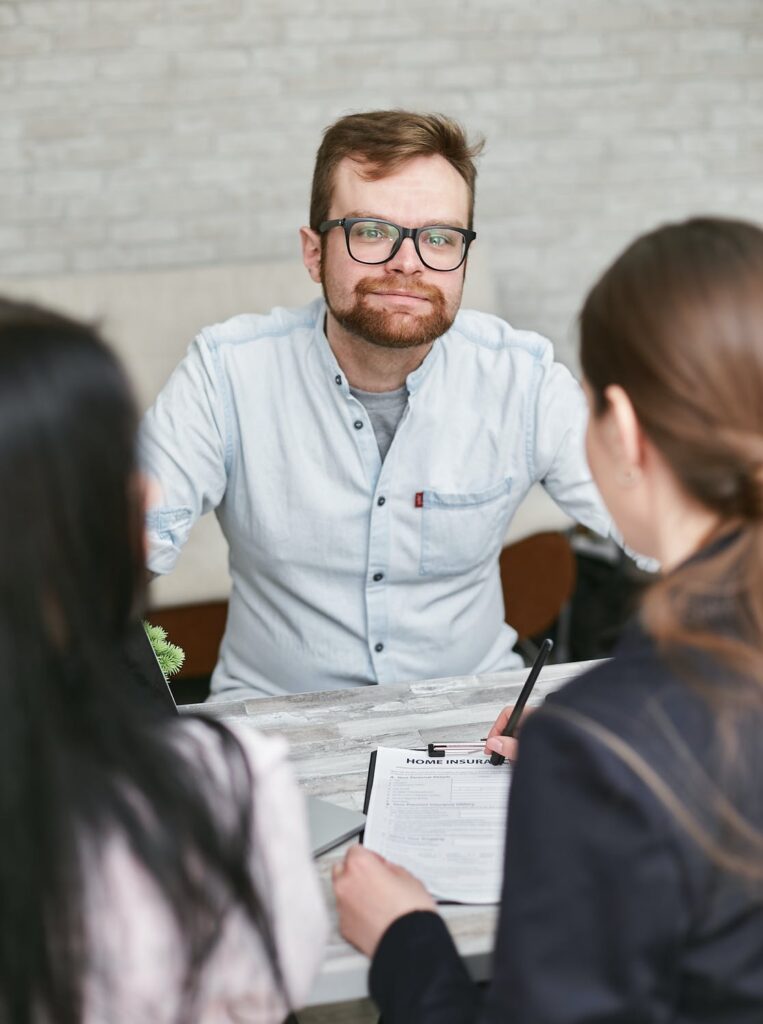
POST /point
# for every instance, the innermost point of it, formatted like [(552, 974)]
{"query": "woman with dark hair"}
[(152, 869), (633, 883)]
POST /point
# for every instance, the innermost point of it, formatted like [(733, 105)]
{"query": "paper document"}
[(444, 819)]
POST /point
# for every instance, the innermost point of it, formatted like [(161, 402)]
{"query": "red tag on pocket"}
[(419, 502)]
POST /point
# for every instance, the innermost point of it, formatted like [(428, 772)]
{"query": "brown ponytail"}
[(677, 322)]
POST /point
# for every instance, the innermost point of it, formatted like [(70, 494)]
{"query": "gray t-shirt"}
[(385, 410)]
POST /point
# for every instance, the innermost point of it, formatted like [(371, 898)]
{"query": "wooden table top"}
[(331, 734)]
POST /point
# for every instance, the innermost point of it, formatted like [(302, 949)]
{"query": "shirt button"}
[(358, 424), (379, 648), (380, 501), (338, 379), (378, 576)]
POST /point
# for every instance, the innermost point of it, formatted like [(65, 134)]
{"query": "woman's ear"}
[(627, 435), (311, 252)]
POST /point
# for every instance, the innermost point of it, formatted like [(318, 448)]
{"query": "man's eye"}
[(439, 239), (373, 232)]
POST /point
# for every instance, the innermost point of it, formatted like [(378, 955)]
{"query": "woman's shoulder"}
[(643, 714), (634, 691), (635, 708), (218, 751)]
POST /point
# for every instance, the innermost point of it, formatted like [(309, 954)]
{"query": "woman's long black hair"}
[(76, 745)]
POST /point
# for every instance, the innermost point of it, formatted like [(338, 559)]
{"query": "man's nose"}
[(406, 259)]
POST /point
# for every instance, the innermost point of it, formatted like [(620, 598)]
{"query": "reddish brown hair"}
[(383, 140), (677, 322)]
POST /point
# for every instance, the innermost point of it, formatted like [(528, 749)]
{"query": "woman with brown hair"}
[(633, 886)]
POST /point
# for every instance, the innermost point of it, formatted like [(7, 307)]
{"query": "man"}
[(364, 454)]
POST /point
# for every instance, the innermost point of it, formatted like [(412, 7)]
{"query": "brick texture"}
[(138, 134)]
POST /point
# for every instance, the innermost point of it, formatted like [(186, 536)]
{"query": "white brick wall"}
[(135, 133)]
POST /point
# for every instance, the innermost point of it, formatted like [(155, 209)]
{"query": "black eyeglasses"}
[(369, 240)]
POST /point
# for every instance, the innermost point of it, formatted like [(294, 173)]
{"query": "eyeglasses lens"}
[(441, 248), (372, 241)]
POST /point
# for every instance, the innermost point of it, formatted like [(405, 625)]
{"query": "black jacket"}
[(611, 913)]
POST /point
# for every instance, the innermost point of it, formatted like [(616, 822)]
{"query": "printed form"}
[(444, 819)]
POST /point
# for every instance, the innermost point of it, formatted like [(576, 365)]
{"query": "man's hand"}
[(505, 745), (371, 893)]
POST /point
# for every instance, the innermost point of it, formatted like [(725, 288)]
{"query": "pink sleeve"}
[(282, 866)]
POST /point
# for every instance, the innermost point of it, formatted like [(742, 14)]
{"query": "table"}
[(331, 734)]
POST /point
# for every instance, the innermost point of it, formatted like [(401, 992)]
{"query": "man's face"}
[(401, 303)]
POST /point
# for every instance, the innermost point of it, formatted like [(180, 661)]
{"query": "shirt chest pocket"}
[(461, 531)]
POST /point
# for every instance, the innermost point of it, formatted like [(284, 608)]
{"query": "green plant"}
[(169, 656)]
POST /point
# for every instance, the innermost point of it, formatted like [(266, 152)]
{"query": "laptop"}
[(329, 825)]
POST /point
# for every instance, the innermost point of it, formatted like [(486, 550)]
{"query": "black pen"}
[(516, 714)]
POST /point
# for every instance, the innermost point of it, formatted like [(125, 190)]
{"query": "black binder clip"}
[(441, 749)]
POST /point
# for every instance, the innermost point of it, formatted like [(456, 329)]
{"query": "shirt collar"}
[(416, 379), (328, 360)]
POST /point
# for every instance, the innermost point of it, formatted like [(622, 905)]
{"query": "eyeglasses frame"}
[(412, 233)]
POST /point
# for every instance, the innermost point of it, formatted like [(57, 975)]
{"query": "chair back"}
[(538, 577)]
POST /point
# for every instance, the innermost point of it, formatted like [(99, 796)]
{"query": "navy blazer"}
[(611, 912)]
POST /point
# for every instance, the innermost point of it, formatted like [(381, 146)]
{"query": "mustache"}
[(372, 285)]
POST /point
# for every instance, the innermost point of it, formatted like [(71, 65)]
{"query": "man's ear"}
[(628, 435), (311, 252)]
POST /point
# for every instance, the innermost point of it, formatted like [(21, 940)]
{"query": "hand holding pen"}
[(507, 722)]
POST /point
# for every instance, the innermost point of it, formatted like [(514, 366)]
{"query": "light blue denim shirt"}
[(347, 571)]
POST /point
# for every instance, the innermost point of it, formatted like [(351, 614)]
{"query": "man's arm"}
[(558, 447), (185, 451), (560, 459)]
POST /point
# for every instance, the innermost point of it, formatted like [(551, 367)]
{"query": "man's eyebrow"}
[(453, 222)]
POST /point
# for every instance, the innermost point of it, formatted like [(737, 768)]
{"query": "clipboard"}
[(442, 818), (433, 750)]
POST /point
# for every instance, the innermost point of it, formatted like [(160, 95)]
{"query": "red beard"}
[(393, 328)]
